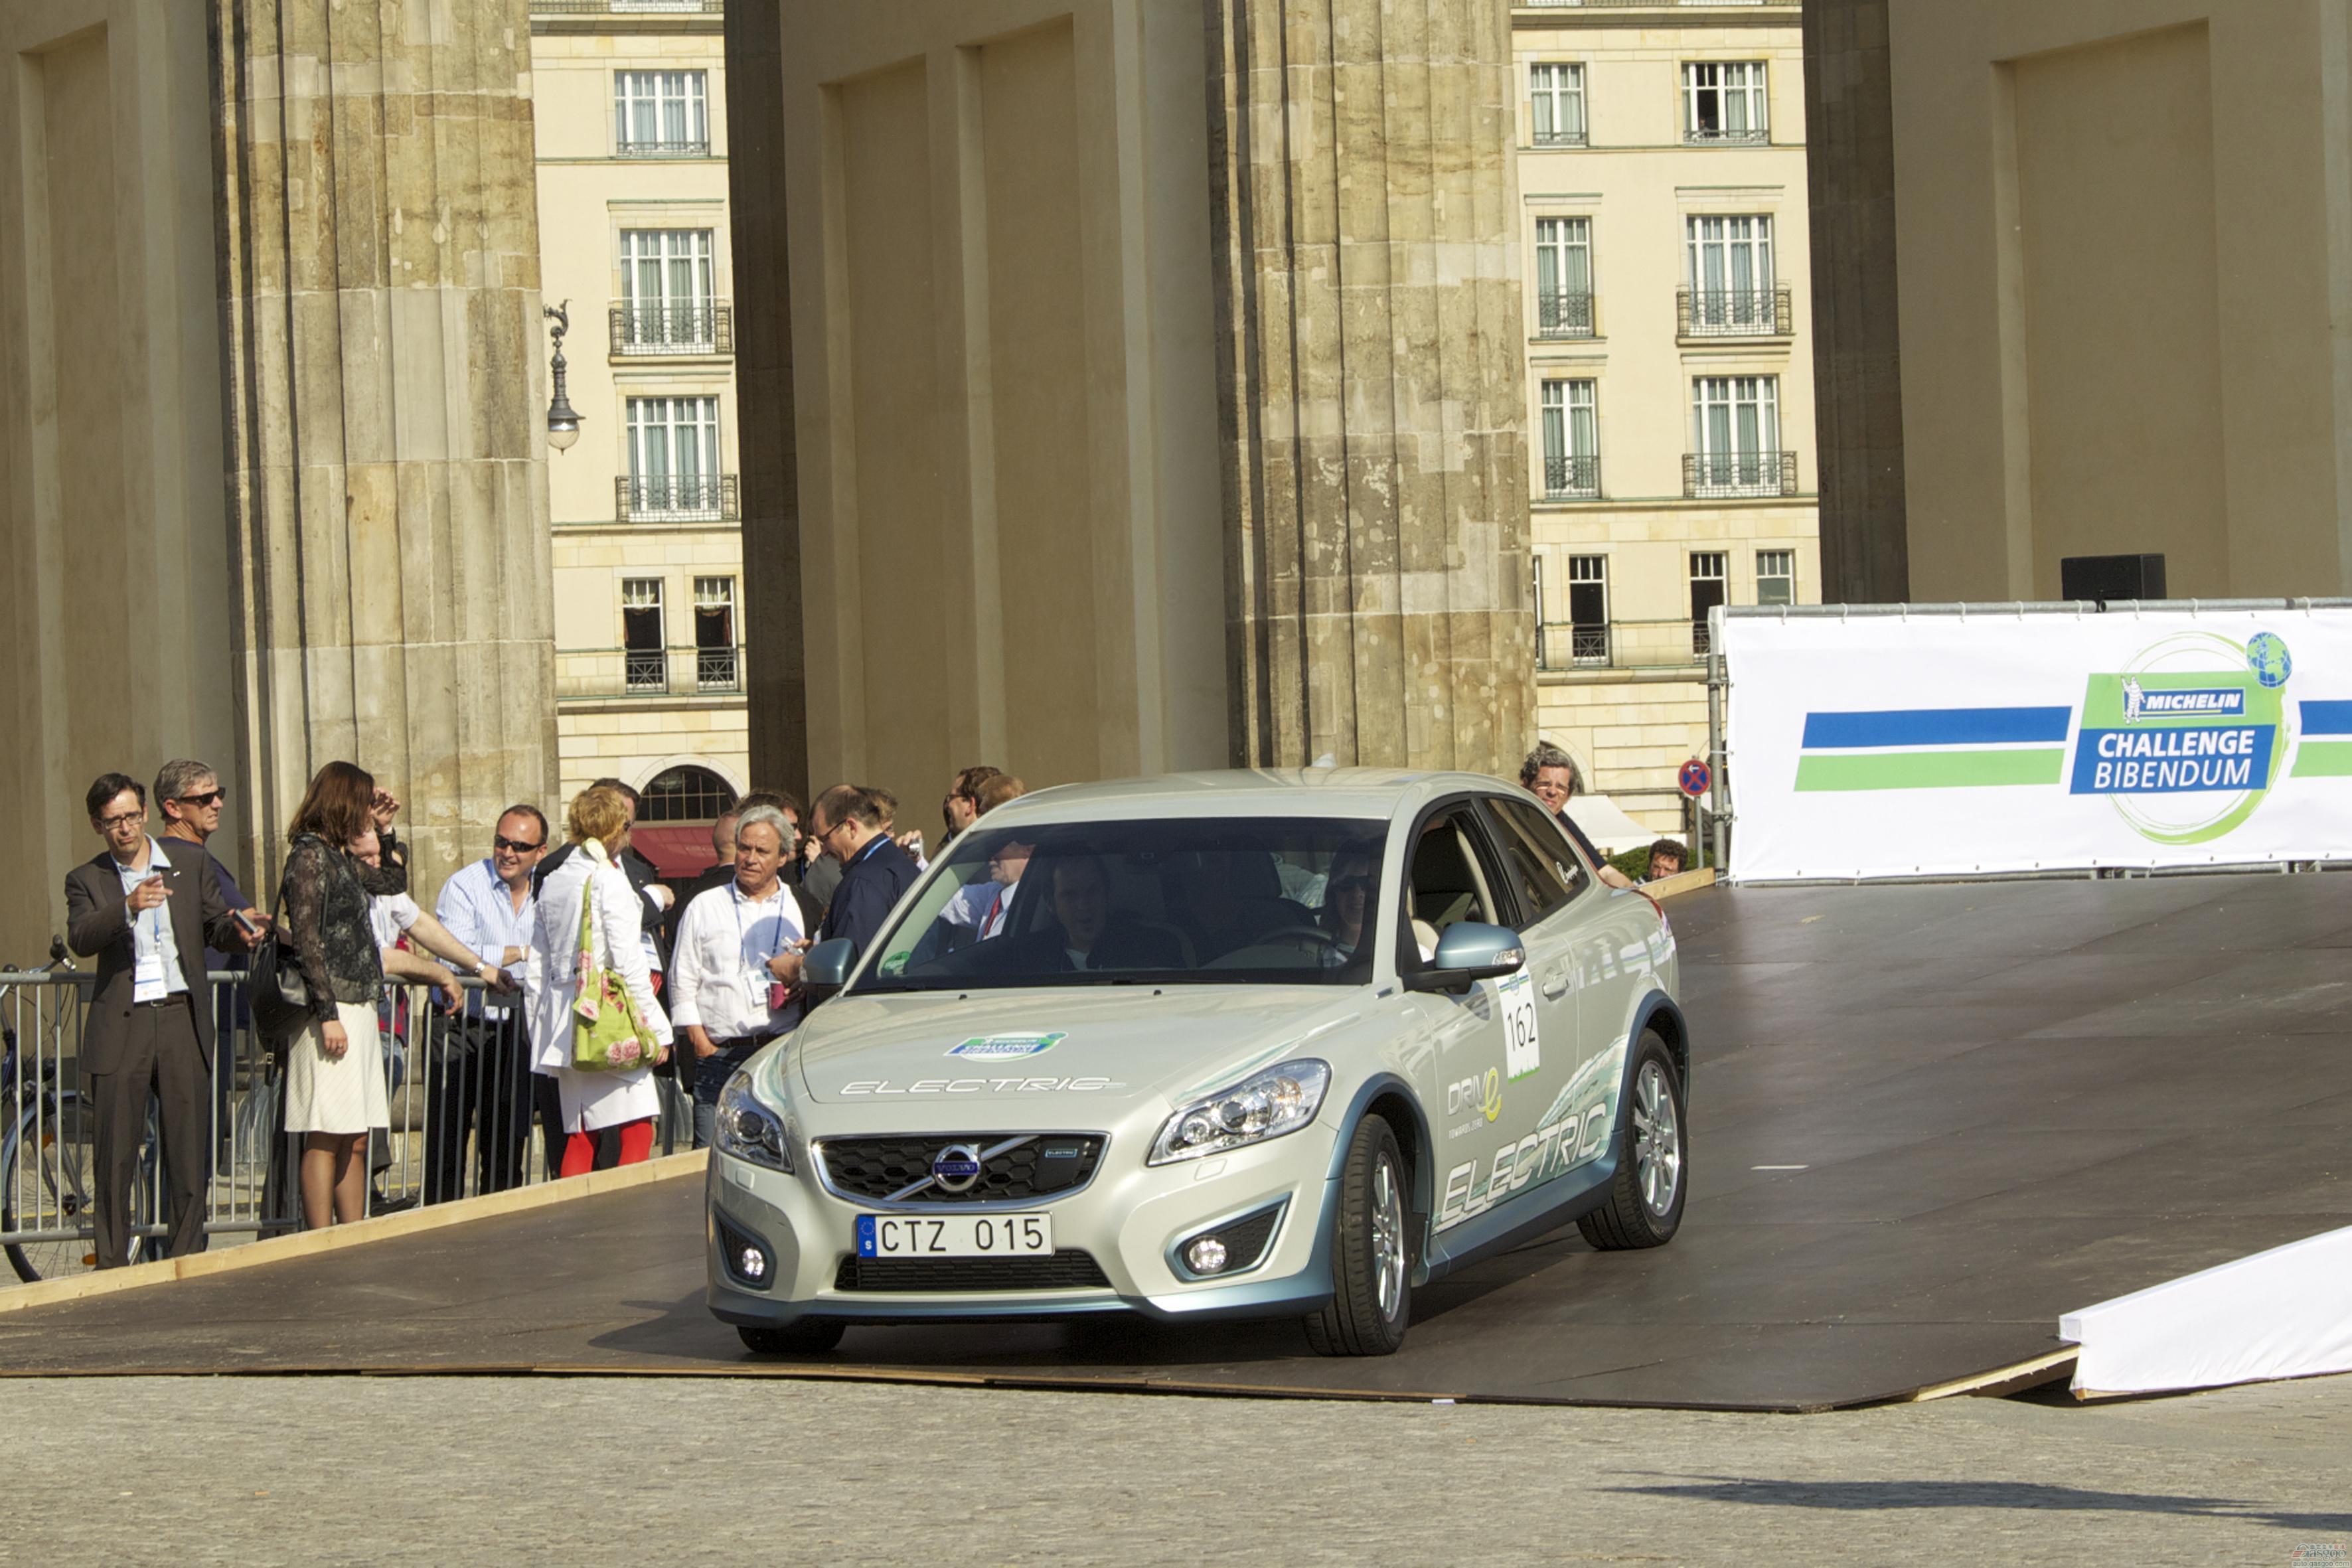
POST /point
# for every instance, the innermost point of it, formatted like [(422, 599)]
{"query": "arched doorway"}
[(675, 811)]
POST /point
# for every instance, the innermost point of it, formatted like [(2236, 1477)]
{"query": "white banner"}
[(1947, 745)]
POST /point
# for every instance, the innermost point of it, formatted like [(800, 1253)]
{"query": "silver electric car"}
[(1209, 1045)]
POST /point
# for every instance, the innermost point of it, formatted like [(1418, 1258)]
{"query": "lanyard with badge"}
[(759, 974)]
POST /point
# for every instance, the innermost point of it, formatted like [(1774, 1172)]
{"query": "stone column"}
[(384, 386), (1857, 352), (1372, 370)]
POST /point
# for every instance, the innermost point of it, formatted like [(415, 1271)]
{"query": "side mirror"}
[(1469, 951), (827, 968)]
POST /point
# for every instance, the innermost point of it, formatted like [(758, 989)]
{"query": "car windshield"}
[(1209, 900)]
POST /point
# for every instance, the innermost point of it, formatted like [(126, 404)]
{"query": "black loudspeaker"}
[(2106, 577)]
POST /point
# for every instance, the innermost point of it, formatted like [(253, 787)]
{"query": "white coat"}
[(591, 1100)]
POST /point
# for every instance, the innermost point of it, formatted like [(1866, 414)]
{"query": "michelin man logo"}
[(2134, 699)]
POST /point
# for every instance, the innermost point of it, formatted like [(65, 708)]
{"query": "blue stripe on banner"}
[(2327, 718), (1936, 726)]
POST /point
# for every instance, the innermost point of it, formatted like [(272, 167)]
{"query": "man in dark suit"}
[(848, 823), (146, 910)]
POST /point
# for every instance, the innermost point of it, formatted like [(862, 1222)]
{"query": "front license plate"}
[(955, 1236)]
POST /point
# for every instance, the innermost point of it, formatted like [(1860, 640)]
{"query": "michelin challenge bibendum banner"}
[(1940, 744)]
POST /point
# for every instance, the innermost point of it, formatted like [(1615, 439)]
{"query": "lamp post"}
[(563, 419)]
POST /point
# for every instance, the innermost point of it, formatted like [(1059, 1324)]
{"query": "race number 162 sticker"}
[(1522, 1053)]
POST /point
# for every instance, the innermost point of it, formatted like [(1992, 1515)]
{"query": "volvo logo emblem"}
[(956, 1168)]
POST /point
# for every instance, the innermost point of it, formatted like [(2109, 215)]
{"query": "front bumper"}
[(1130, 1220)]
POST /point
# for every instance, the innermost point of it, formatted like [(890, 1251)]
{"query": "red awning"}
[(681, 854)]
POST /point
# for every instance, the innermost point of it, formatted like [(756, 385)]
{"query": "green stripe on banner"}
[(1931, 769), (2319, 760)]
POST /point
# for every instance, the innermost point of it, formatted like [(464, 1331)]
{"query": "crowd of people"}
[(712, 971)]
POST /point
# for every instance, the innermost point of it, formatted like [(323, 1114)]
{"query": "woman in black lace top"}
[(334, 1069)]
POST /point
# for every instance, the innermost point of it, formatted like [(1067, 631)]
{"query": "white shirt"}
[(389, 916), (981, 907), (719, 974), (155, 947), (480, 913)]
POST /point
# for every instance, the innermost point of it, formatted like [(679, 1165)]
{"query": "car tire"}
[(1645, 1201), (808, 1336), (1372, 1252)]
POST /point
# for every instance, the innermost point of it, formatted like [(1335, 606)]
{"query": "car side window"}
[(1446, 883), (1543, 869)]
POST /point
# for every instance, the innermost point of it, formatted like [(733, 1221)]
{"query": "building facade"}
[(1670, 369), (630, 100)]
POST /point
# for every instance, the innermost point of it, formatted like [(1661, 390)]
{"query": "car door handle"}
[(1554, 982)]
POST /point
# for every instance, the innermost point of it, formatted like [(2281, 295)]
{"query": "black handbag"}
[(274, 986)]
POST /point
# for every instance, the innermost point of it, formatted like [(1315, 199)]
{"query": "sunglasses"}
[(500, 841), (211, 798)]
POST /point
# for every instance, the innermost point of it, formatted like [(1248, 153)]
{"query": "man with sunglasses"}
[(189, 794), (480, 1071)]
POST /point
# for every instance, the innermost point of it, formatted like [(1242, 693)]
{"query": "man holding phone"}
[(724, 994), (145, 911)]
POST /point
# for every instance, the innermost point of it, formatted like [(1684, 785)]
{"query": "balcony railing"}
[(603, 673), (1558, 138), (1564, 313), (706, 327), (1642, 4), (628, 7), (1717, 476), (1572, 478), (1723, 136), (1733, 313), (700, 149), (1621, 645), (677, 498)]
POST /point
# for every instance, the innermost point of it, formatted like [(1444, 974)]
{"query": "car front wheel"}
[(1371, 1254), (1645, 1201)]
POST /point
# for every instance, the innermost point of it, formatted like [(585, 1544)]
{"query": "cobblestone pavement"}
[(649, 1471)]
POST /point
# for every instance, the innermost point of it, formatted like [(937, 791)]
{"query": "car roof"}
[(1358, 793)]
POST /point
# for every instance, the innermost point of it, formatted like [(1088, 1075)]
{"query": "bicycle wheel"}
[(47, 1165)]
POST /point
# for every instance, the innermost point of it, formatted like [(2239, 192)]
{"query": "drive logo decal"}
[(2187, 740), (1006, 1047)]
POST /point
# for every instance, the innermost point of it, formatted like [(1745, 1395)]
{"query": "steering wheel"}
[(1316, 932)]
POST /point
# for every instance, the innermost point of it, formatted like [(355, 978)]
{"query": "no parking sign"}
[(1695, 779)]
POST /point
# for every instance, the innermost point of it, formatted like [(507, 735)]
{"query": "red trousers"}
[(637, 1146)]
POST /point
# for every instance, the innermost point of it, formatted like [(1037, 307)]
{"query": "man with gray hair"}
[(725, 995), (1549, 775), (189, 794)]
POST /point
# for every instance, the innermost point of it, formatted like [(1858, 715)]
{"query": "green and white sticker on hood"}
[(1005, 1047)]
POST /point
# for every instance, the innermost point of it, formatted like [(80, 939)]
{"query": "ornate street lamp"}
[(563, 419)]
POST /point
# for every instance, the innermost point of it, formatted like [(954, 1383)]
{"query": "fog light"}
[(751, 1263), (1207, 1256)]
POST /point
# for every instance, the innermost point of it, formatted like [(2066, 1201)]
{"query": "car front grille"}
[(1039, 1165), (1068, 1270)]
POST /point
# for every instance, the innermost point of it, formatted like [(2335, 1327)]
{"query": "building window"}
[(1564, 276), (1736, 439), (686, 794), (1705, 593), (1723, 101), (714, 635), (661, 114), (1571, 438), (1558, 92), (644, 661), (1587, 608), (668, 292), (674, 459), (1776, 576), (1727, 278)]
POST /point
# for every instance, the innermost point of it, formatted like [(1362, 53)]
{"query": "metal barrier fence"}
[(465, 1119)]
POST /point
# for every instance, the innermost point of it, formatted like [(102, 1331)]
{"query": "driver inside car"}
[(1085, 934)]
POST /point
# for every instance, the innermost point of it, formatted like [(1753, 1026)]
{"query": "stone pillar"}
[(1858, 354), (384, 382), (777, 677), (1372, 382)]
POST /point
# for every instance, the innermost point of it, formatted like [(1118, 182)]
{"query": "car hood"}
[(1118, 1043)]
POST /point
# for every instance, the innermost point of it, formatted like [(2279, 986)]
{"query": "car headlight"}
[(1267, 1104), (749, 1130)]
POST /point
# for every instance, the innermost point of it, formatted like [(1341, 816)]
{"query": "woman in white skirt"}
[(334, 1065), (598, 825)]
